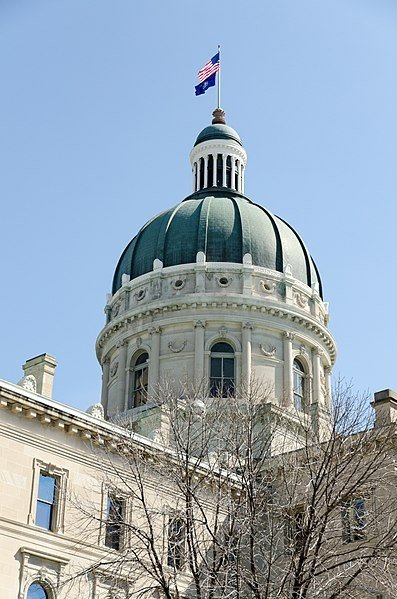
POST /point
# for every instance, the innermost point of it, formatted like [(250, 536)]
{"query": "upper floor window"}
[(46, 501), (299, 386), (353, 519), (37, 591), (294, 529), (140, 378), (114, 521), (222, 370), (176, 542)]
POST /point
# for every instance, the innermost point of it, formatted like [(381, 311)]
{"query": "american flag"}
[(210, 68)]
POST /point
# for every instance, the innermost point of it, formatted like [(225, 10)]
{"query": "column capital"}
[(154, 330), (121, 343), (288, 335), (199, 324), (248, 325)]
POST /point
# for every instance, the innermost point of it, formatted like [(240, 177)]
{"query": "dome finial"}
[(219, 117)]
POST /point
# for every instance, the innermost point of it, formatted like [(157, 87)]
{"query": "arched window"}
[(139, 381), (222, 368), (300, 391), (37, 591)]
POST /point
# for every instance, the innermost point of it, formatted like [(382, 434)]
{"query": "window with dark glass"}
[(210, 170), (299, 386), (222, 368), (140, 377), (36, 591), (236, 176), (46, 500), (176, 542), (219, 170), (201, 173), (228, 171), (294, 529), (353, 519), (114, 521)]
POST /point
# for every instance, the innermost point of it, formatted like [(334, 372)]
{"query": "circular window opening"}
[(178, 284), (140, 295), (223, 281)]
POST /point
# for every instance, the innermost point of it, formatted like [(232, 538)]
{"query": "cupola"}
[(218, 158)]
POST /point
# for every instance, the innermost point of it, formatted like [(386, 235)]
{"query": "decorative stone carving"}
[(248, 325), (301, 300), (96, 410), (288, 270), (268, 350), (267, 286), (139, 342), (224, 281), (116, 309), (29, 383), (176, 349), (156, 289), (199, 324), (139, 296), (178, 284), (113, 369), (303, 351), (288, 335), (154, 330), (223, 331)]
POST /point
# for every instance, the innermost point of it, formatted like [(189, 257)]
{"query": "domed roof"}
[(218, 131), (223, 224)]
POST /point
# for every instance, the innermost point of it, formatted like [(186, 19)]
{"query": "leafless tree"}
[(237, 501)]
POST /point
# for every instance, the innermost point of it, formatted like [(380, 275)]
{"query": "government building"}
[(214, 299)]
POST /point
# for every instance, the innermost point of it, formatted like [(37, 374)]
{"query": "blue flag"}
[(202, 87)]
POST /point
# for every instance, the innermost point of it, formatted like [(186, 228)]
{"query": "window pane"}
[(114, 522), (228, 388), (222, 348), (216, 367), (142, 359), (36, 591), (46, 487), (44, 515), (228, 368)]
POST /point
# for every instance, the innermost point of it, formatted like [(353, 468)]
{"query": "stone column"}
[(206, 171), (199, 337), (288, 375), (194, 176), (247, 350), (233, 174), (316, 375), (154, 360), (328, 385), (224, 158), (122, 378), (105, 382), (214, 169)]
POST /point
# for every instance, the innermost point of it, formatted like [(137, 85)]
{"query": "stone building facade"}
[(216, 291)]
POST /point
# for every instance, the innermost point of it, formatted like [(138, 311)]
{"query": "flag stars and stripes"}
[(210, 68)]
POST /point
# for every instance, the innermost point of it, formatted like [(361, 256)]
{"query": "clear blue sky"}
[(98, 115)]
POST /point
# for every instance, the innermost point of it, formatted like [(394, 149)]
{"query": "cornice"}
[(213, 303)]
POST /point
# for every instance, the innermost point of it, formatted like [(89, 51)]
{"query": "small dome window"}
[(222, 370), (210, 170), (140, 379), (300, 390)]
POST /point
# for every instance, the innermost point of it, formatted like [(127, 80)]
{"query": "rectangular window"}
[(114, 522), (353, 519), (46, 501), (176, 542), (294, 529)]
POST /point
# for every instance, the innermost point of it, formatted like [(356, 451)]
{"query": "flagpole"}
[(219, 78)]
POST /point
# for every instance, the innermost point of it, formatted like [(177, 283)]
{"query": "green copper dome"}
[(223, 224), (217, 131)]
